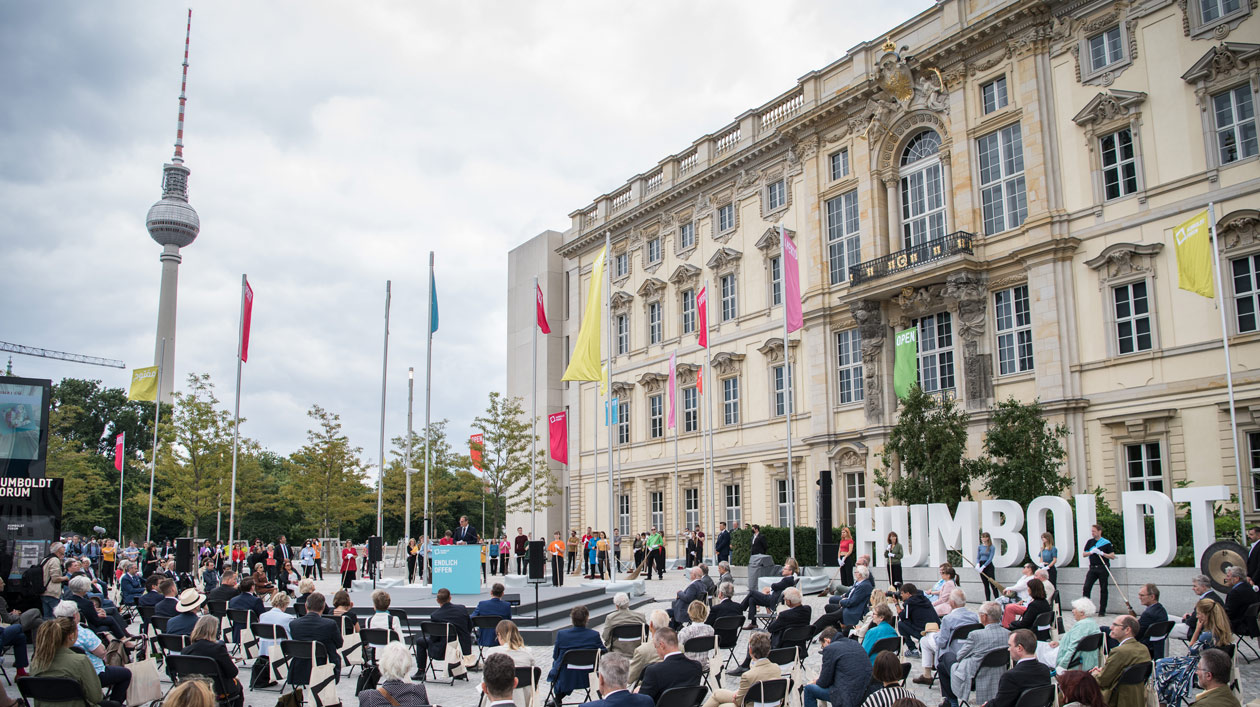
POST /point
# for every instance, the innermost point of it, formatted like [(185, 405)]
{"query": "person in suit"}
[(1154, 613), (1027, 673), (724, 573), (1202, 587), (1241, 595), (183, 623), (166, 607), (761, 669), (576, 637), (499, 680), (934, 644), (956, 668), (710, 587), (1213, 672), (614, 671), (915, 614), (846, 611), (465, 534), (312, 626), (1127, 653), (395, 663), (726, 605), (455, 615), (845, 673), (769, 597), (246, 600), (796, 614), (694, 591), (227, 588), (759, 545), (722, 544), (494, 606), (204, 642), (645, 654), (673, 670), (1253, 554), (94, 617), (621, 616)]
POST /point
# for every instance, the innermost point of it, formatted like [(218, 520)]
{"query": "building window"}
[(691, 409), (623, 333), (781, 488), (730, 401), (654, 250), (1105, 49), (1145, 469), (1133, 318), (689, 311), (730, 308), (726, 217), (1002, 179), (776, 281), (691, 508), (656, 416), (623, 422), (1213, 10), (658, 509), (993, 95), (1253, 445), (844, 243), (621, 265), (855, 495), (849, 362), (1119, 164), (623, 514), (922, 190), (776, 195), (781, 393), (686, 235), (1235, 123), (1247, 292), (734, 506), (936, 352), (840, 164), (1014, 330), (655, 325)]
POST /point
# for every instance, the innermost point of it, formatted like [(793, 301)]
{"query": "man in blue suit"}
[(576, 637), (614, 671), (694, 591), (845, 673), (848, 612), (247, 600), (494, 606)]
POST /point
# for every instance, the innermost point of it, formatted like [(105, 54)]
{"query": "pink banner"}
[(542, 312), (672, 385), (476, 445), (558, 436), (791, 284), (247, 315), (702, 306), (118, 451)]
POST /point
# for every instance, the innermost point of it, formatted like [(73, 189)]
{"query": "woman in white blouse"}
[(276, 615)]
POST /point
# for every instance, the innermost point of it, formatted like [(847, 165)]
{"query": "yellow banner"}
[(144, 383), (585, 364), (1193, 241)]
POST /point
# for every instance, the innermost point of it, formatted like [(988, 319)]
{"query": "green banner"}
[(906, 362)]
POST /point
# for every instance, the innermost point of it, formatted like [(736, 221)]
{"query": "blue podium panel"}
[(457, 568)]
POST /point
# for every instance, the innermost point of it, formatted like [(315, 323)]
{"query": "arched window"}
[(922, 190)]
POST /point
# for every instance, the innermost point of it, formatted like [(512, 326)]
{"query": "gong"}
[(1218, 558)]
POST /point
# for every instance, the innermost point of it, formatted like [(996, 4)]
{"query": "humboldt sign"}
[(932, 530)]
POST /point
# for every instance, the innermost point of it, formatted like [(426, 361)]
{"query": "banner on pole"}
[(673, 367), (433, 308), (558, 436), (246, 316), (906, 362), (542, 311), (475, 446), (700, 380), (615, 406), (585, 363), (118, 451), (1193, 241), (144, 383), (702, 310), (791, 283)]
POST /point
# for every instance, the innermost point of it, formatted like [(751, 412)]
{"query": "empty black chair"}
[(767, 693), (1041, 696), (683, 696), (892, 644), (1155, 637), (1089, 644), (159, 623), (726, 630), (225, 689), (480, 622)]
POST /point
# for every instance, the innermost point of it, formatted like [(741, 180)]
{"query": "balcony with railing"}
[(936, 249)]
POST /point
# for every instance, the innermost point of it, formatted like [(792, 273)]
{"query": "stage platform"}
[(538, 620)]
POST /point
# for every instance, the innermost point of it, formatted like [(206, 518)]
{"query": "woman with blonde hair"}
[(276, 616), (54, 659), (698, 612), (204, 642), (190, 693), (511, 644), (1174, 676)]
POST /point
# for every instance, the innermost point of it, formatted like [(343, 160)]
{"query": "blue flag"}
[(433, 308), (615, 406)]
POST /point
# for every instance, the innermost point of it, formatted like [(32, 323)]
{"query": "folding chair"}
[(702, 644), (1088, 644), (726, 630), (201, 666), (480, 622), (1155, 636), (788, 660), (240, 619), (1040, 696), (409, 636), (299, 609), (1042, 625), (1000, 658), (301, 650), (1252, 624), (352, 654), (373, 638), (580, 660), (146, 615), (275, 633), (159, 623), (165, 645), (217, 608), (767, 693), (526, 678), (35, 689), (683, 696), (628, 637), (959, 634), (440, 630), (796, 637), (1137, 674), (892, 644)]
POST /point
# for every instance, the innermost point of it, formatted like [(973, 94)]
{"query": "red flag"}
[(118, 451), (702, 305), (475, 451), (542, 312), (246, 314), (558, 436), (700, 381)]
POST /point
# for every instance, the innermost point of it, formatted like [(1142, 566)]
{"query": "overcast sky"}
[(332, 146)]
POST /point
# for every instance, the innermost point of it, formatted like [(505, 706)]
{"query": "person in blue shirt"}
[(494, 606), (882, 628), (984, 562)]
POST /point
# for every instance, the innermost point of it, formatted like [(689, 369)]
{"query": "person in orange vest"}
[(557, 548)]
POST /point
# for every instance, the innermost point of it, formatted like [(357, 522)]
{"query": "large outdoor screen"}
[(23, 426)]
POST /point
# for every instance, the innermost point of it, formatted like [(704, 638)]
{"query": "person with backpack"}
[(44, 579)]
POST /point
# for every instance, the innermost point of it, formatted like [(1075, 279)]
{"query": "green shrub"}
[(778, 543)]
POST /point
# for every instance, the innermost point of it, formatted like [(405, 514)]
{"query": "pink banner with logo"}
[(672, 386), (791, 284), (558, 436)]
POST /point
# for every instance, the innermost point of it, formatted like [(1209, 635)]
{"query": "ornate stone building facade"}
[(1003, 176)]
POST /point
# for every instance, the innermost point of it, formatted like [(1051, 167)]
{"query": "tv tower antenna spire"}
[(183, 97)]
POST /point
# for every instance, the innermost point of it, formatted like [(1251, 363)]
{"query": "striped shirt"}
[(886, 696)]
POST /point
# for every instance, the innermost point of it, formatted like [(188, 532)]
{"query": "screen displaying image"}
[(21, 412)]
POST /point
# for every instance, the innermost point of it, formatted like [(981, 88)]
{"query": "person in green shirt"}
[(54, 659), (656, 554)]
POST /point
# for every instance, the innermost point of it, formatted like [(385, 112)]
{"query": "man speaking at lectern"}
[(465, 534)]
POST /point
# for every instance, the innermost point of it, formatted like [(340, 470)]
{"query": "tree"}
[(326, 477), (453, 490), (86, 500), (102, 413), (1024, 453), (197, 461), (505, 461), (924, 460)]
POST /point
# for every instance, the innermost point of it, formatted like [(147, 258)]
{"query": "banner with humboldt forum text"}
[(933, 531)]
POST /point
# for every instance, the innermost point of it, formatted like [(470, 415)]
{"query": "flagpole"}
[(122, 474), (380, 467), (533, 428), (612, 574), (428, 408), (236, 417), (157, 417), (1229, 372), (411, 396), (674, 392), (708, 371), (787, 387)]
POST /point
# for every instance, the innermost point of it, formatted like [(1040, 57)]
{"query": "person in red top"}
[(349, 564), (271, 563), (447, 539)]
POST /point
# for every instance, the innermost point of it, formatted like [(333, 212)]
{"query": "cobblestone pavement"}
[(462, 693)]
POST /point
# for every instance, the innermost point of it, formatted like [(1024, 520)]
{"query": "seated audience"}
[(395, 688), (761, 669), (673, 670), (958, 669), (1026, 673), (887, 672), (1062, 651), (576, 637), (277, 616), (645, 654), (697, 612), (1173, 676), (205, 642), (881, 628), (1128, 652), (845, 672), (1213, 672), (499, 679), (614, 670), (1201, 585)]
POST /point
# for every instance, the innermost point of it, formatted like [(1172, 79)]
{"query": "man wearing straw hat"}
[(188, 610)]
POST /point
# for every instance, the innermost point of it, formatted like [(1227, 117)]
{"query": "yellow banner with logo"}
[(144, 383), (1193, 241)]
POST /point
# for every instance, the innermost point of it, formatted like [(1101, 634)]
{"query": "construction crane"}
[(60, 355)]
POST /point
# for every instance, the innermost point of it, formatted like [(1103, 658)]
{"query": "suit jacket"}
[(856, 602), (166, 607), (796, 616), (621, 617), (149, 598), (222, 593), (726, 607), (457, 616), (491, 607), (722, 543), (971, 651), (314, 627), (623, 698), (567, 639), (1155, 613), (676, 670), (1240, 596), (1217, 697), (1026, 675), (694, 591), (1253, 562), (845, 673), (182, 624), (759, 546), (644, 656), (761, 669), (1122, 656), (953, 621), (465, 534), (249, 602), (710, 587), (216, 650)]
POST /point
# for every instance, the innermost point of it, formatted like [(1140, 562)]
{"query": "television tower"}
[(173, 223)]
